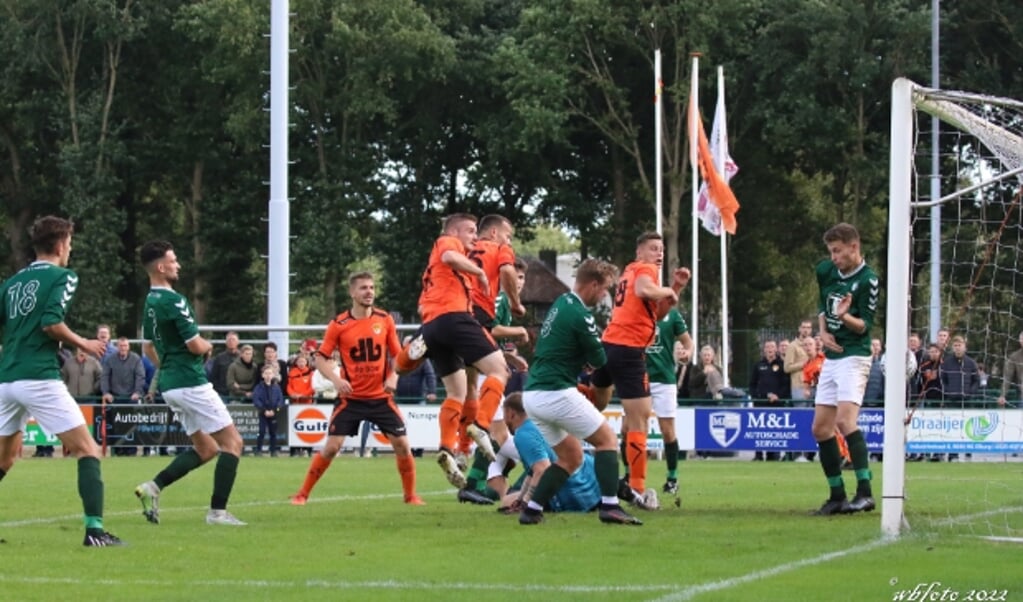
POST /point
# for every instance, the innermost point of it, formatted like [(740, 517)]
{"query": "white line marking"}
[(1002, 539), (167, 510), (334, 585), (695, 590)]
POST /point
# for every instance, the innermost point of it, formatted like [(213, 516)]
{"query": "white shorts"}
[(198, 409), (665, 399), (843, 379), (48, 401), (558, 414)]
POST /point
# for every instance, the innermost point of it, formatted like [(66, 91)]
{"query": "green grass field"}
[(742, 533)]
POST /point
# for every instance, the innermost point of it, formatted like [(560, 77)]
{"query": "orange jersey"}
[(300, 384), (445, 289), (490, 256), (366, 347), (633, 320)]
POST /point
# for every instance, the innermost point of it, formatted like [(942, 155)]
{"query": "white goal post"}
[(1004, 155)]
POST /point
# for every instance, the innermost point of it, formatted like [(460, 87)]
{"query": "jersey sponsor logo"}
[(310, 425), (725, 427), (366, 351)]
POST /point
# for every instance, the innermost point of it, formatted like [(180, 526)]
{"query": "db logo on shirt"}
[(309, 425)]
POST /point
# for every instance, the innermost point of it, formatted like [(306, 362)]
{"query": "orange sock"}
[(407, 470), (635, 450), (491, 393), (317, 467), (403, 364), (469, 411), (450, 412)]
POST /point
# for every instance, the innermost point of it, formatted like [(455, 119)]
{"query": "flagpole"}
[(694, 281), (658, 168), (720, 160)]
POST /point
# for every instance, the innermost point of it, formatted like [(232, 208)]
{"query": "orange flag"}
[(720, 193)]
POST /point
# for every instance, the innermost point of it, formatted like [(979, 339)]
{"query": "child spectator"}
[(268, 400)]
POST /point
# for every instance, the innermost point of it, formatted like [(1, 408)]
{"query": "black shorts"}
[(481, 316), (626, 370), (454, 340), (348, 414)]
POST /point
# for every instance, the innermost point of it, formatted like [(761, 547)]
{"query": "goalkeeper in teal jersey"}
[(567, 342), (33, 303), (846, 306), (173, 343), (660, 366)]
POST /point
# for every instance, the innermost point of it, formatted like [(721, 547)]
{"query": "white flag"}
[(708, 212)]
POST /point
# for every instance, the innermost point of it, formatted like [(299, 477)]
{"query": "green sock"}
[(831, 462), (551, 481), (861, 462), (223, 480), (90, 489), (621, 454), (671, 457), (605, 464), (181, 465), (478, 472)]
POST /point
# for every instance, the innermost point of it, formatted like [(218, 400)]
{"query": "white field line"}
[(168, 510)]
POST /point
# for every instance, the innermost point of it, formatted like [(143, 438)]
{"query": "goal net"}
[(955, 263)]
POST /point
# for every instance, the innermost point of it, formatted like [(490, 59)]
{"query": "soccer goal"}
[(973, 255)]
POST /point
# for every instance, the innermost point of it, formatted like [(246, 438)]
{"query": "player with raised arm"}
[(33, 304), (846, 305), (367, 341), (639, 301), (568, 342), (173, 343)]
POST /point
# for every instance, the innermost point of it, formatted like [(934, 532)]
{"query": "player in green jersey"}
[(33, 303), (173, 343), (660, 366), (567, 342), (846, 306)]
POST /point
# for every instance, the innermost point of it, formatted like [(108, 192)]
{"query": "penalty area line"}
[(390, 584), (253, 504)]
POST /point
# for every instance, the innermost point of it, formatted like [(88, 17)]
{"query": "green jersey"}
[(568, 340), (660, 357), (169, 324), (502, 310), (34, 298), (863, 284)]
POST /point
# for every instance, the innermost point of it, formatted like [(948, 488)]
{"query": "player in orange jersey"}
[(367, 341), (633, 327), (493, 253), (453, 338)]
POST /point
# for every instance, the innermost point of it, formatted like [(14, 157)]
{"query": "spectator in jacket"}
[(123, 380), (82, 374), (769, 385), (242, 374), (268, 400), (220, 364), (960, 380)]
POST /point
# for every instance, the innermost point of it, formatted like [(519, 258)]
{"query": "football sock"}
[(491, 393), (450, 412), (831, 462), (478, 471), (843, 446), (181, 465), (223, 480), (403, 364), (407, 470), (469, 410), (636, 450), (622, 449), (605, 464), (550, 482), (671, 457), (317, 466), (90, 489), (861, 461)]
